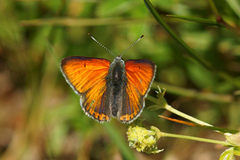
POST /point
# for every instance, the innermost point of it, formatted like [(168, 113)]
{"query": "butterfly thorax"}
[(106, 89), (116, 81)]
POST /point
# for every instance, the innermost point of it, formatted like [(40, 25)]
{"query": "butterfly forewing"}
[(87, 77), (140, 74)]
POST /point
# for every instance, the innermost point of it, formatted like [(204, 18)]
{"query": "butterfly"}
[(110, 89)]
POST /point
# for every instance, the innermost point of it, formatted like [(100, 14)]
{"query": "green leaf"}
[(190, 52), (227, 154), (199, 20), (236, 151), (233, 138), (235, 5)]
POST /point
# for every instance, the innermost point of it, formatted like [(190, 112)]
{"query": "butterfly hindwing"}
[(86, 76), (140, 74)]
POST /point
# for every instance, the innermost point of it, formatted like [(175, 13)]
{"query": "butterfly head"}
[(106, 89), (118, 61), (118, 58)]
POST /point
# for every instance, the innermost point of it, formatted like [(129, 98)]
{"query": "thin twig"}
[(220, 20)]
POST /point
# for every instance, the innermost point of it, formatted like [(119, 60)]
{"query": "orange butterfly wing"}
[(86, 76), (140, 74)]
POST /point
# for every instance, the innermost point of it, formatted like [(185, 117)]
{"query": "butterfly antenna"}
[(132, 45), (101, 44)]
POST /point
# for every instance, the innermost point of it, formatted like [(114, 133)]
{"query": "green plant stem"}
[(154, 100), (219, 23), (163, 104), (214, 9), (83, 22), (220, 20), (190, 52), (163, 134), (190, 118), (198, 20)]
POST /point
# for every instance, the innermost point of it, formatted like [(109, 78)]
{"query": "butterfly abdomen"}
[(116, 85)]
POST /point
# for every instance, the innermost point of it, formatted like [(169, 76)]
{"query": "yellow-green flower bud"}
[(143, 140)]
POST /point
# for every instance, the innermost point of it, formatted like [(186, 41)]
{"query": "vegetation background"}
[(40, 115)]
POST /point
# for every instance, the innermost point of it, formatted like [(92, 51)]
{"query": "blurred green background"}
[(40, 115)]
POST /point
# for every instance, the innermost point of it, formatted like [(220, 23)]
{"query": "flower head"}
[(144, 140)]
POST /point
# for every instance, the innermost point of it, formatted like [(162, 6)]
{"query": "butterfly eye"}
[(106, 89)]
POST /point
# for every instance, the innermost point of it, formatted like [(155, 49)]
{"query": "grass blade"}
[(190, 52), (199, 20)]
